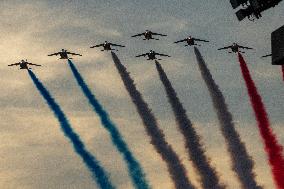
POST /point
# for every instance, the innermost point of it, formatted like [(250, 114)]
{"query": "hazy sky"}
[(34, 151)]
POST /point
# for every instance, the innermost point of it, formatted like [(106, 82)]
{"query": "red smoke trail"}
[(283, 71), (273, 149)]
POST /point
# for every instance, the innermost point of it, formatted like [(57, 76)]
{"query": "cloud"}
[(31, 30)]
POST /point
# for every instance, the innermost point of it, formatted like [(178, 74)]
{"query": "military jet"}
[(64, 54), (107, 46), (24, 64), (148, 35), (191, 41), (235, 48), (152, 55)]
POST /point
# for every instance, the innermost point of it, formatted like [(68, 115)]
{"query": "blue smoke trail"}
[(134, 168), (98, 172)]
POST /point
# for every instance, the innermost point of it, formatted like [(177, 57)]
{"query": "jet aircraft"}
[(148, 35), (64, 54), (24, 64), (152, 55), (191, 41), (107, 46), (235, 48)]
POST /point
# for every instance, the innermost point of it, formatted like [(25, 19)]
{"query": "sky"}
[(34, 151)]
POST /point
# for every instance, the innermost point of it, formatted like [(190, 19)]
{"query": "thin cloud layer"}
[(31, 30)]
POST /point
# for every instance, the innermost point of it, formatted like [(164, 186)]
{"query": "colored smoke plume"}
[(272, 147), (209, 177), (90, 161), (175, 167), (242, 162), (136, 173)]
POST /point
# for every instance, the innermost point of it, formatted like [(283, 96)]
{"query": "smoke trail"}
[(272, 147), (136, 173), (242, 162), (282, 71), (175, 167), (98, 172), (209, 177)]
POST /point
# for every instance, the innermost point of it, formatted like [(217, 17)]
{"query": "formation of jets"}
[(152, 55), (251, 9)]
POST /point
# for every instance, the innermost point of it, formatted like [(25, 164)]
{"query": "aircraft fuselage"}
[(148, 35), (23, 65), (63, 55), (190, 41), (152, 56), (107, 46), (235, 48)]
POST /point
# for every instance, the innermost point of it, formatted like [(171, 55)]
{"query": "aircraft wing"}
[(142, 55), (53, 54), (97, 45), (180, 41), (74, 53), (33, 64), (266, 55), (244, 47), (225, 48), (14, 64), (116, 45), (200, 40), (140, 34), (158, 34), (163, 55)]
